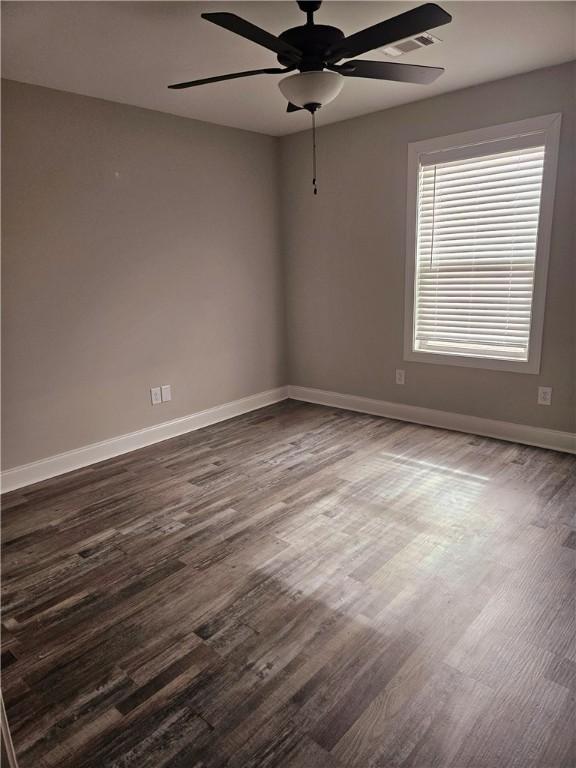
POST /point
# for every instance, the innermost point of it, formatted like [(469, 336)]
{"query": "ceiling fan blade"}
[(257, 35), (233, 76), (293, 108), (387, 70), (390, 31)]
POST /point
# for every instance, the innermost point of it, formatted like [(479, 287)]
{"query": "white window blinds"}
[(477, 231)]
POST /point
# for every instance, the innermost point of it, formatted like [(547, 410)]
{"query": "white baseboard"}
[(27, 474), (459, 422), (107, 449)]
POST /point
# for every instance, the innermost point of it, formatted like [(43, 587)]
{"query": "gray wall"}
[(142, 249), (345, 254), (139, 249)]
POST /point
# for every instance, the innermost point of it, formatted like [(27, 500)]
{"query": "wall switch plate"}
[(400, 376), (166, 392), (156, 395), (544, 395)]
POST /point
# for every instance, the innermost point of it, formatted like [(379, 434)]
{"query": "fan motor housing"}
[(314, 41)]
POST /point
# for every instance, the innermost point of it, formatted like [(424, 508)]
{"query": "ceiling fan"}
[(316, 50)]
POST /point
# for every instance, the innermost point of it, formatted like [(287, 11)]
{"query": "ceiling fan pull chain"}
[(314, 153)]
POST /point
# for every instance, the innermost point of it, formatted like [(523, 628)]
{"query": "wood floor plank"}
[(298, 587)]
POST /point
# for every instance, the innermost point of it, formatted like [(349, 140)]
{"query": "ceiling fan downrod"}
[(309, 8)]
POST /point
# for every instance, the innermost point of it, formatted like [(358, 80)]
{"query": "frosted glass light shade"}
[(311, 87)]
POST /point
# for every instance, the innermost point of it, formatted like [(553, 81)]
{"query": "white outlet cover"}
[(400, 376), (166, 392), (156, 395), (544, 395)]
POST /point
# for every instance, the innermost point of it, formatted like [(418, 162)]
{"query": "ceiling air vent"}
[(412, 44)]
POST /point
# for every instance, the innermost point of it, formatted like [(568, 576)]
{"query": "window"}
[(479, 219)]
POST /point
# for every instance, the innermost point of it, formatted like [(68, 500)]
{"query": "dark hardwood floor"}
[(299, 587)]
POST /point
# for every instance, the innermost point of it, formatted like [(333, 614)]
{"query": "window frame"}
[(469, 144)]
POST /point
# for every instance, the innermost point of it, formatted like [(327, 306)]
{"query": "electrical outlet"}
[(544, 395), (400, 376), (166, 392), (156, 395)]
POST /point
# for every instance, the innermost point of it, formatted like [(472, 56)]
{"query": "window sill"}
[(531, 366)]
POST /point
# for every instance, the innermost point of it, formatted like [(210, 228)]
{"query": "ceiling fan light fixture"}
[(311, 88)]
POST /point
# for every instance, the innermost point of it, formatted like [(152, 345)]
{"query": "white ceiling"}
[(130, 51)]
